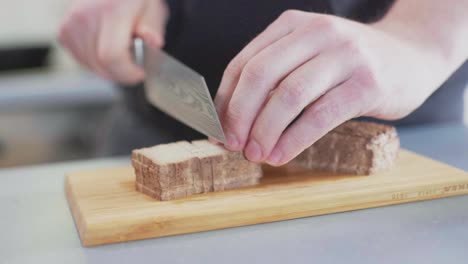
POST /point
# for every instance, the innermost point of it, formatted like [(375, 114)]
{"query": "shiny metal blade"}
[(180, 92)]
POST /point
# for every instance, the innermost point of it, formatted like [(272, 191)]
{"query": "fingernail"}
[(253, 151), (232, 141), (275, 157)]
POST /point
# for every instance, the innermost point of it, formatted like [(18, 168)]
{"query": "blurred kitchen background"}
[(50, 108)]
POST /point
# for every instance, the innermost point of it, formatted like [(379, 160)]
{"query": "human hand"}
[(330, 69), (99, 34)]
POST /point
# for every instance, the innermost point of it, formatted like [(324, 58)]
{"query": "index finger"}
[(113, 49), (275, 31), (340, 104)]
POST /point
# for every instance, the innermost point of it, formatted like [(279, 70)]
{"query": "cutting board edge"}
[(88, 240), (78, 218)]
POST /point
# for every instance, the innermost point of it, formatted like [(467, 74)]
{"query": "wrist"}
[(410, 35), (435, 42), (420, 53)]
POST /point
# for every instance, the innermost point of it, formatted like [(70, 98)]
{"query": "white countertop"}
[(38, 227)]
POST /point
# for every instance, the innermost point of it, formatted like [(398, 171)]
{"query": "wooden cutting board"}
[(107, 209)]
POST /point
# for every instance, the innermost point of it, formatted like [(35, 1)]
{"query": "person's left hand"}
[(327, 68)]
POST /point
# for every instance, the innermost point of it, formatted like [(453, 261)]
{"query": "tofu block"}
[(355, 147), (181, 169)]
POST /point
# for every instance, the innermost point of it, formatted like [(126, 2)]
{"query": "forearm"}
[(439, 27)]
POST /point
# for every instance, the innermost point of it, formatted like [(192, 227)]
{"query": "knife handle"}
[(138, 51)]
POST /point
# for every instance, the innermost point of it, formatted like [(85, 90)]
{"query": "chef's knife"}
[(178, 91)]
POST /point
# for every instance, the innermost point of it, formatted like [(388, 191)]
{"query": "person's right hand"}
[(99, 34)]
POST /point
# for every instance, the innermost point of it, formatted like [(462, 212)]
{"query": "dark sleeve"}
[(173, 27)]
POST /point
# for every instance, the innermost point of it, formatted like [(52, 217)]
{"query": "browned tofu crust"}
[(210, 168), (355, 147)]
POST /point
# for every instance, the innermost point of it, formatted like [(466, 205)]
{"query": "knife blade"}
[(180, 92)]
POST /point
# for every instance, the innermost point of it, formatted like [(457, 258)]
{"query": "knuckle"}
[(255, 72), (326, 24), (366, 77), (292, 92), (234, 68), (109, 56), (291, 15), (80, 16), (357, 52), (352, 47), (361, 99), (261, 132), (234, 116), (324, 114)]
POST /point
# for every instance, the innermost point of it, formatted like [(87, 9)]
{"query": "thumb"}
[(152, 25)]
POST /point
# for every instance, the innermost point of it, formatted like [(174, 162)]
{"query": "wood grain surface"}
[(107, 208)]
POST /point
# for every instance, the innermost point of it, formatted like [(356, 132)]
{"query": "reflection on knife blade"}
[(180, 92)]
